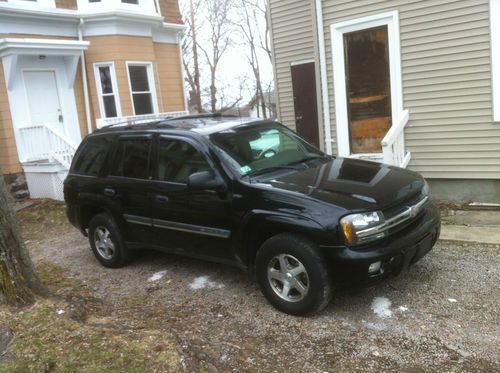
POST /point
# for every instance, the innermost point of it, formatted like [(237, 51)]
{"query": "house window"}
[(142, 87), (107, 89), (367, 81), (136, 2), (495, 56)]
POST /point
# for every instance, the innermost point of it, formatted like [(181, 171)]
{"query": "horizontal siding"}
[(293, 40), (445, 46)]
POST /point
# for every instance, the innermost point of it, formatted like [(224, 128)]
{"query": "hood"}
[(353, 184)]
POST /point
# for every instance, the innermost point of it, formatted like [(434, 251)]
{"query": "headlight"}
[(362, 228), (425, 189)]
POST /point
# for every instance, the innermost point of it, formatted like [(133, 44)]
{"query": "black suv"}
[(252, 194)]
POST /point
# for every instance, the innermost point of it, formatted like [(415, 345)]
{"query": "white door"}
[(43, 98)]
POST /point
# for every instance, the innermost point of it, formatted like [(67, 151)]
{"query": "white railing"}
[(393, 144), (43, 142), (138, 119)]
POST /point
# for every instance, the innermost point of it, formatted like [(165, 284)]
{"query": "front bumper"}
[(396, 253)]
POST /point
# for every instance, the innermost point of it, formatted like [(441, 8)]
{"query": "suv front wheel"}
[(293, 275), (106, 242)]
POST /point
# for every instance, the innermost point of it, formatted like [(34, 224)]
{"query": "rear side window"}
[(132, 158), (91, 157)]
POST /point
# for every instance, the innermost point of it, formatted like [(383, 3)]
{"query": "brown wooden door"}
[(305, 101)]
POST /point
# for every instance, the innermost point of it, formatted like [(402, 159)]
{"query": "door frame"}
[(389, 19), (321, 137)]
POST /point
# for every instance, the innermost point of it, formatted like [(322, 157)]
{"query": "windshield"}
[(259, 149)]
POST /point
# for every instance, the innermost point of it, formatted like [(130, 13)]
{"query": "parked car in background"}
[(252, 194)]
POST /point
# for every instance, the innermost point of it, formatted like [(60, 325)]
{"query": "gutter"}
[(324, 78), (84, 78)]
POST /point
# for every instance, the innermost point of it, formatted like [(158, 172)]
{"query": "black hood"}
[(353, 184)]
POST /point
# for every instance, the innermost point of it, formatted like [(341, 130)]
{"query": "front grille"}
[(399, 220)]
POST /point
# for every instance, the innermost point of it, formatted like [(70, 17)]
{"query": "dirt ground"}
[(442, 315)]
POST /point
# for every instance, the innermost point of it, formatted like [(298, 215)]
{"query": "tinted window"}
[(132, 158), (91, 157), (177, 160)]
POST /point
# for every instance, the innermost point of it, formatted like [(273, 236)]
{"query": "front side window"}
[(142, 88), (91, 157), (254, 150), (107, 90), (177, 160), (132, 158)]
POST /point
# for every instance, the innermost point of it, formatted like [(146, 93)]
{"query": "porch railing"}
[(138, 119), (393, 144), (42, 142)]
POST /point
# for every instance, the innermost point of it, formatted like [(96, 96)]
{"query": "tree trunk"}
[(197, 93), (18, 279)]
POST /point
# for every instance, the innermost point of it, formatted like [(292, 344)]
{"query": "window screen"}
[(177, 160), (132, 158), (91, 157)]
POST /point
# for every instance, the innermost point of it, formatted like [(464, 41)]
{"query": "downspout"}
[(84, 78), (324, 77)]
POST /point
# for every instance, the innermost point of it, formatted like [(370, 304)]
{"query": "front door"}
[(305, 101), (43, 98), (185, 220), (368, 86)]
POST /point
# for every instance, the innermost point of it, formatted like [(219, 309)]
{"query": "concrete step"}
[(486, 235)]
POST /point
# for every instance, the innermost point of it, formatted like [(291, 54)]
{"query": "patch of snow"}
[(403, 308), (157, 276), (382, 307), (452, 300), (203, 282), (376, 326), (60, 312)]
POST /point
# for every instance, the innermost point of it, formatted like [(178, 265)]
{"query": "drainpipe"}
[(84, 78), (324, 77)]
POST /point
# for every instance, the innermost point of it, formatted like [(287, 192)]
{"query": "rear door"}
[(188, 221), (129, 184)]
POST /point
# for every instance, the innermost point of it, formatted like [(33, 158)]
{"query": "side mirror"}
[(205, 180)]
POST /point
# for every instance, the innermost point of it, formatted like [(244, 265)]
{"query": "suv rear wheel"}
[(293, 275), (106, 242)]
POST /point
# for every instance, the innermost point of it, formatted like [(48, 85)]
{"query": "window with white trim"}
[(107, 89), (35, 3), (495, 56), (141, 6), (142, 87)]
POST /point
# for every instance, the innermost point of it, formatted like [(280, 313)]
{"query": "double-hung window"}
[(495, 56), (107, 89), (142, 87)]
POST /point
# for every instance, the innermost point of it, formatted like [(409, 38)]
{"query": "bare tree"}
[(220, 27), (18, 279), (190, 54)]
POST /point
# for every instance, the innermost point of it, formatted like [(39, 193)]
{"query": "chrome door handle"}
[(109, 192)]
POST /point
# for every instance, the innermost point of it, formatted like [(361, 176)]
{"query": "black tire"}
[(120, 255), (319, 284)]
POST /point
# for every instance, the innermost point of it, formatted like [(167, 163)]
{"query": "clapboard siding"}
[(445, 47), (293, 40)]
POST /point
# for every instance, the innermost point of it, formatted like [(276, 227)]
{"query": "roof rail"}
[(203, 116)]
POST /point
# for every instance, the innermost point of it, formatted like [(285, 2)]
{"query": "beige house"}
[(410, 83), (71, 66)]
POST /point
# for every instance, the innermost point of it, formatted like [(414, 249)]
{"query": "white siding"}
[(445, 47), (294, 40)]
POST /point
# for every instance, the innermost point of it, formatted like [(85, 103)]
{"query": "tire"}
[(112, 253), (307, 275)]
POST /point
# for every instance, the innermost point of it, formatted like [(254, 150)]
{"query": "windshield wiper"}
[(271, 169), (311, 158)]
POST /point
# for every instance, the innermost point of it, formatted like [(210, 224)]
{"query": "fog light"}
[(374, 267)]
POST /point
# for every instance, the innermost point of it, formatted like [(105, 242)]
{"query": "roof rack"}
[(203, 116)]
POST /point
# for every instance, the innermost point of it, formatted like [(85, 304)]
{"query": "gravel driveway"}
[(442, 315)]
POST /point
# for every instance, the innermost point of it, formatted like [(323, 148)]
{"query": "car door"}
[(193, 222), (128, 186)]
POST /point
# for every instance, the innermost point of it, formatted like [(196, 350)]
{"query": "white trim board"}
[(389, 19), (495, 56)]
